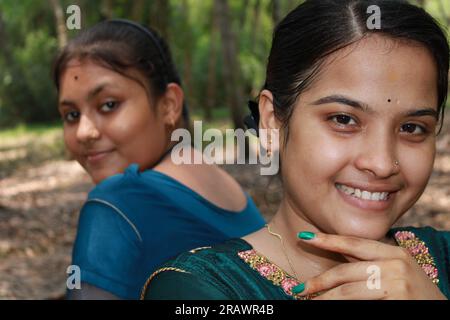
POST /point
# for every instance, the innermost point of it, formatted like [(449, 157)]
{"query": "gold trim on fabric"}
[(154, 274)]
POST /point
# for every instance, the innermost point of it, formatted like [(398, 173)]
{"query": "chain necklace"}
[(284, 250)]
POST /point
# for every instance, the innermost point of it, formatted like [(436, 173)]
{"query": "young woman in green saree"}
[(358, 108)]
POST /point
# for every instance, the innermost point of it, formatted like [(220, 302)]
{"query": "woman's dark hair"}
[(317, 28), (121, 45)]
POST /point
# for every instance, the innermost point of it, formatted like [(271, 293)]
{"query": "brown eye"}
[(108, 106), (71, 117), (412, 128), (343, 119)]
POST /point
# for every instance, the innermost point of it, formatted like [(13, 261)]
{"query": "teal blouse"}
[(135, 221), (234, 271)]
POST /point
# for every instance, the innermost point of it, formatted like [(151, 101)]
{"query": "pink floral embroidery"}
[(272, 272), (419, 251), (266, 269), (430, 270), (245, 255), (287, 284), (405, 235)]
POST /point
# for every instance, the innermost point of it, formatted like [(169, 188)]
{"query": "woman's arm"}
[(108, 251), (90, 292)]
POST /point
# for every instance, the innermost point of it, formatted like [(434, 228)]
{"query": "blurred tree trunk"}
[(256, 24), (231, 70), (445, 18), (243, 14), (160, 17), (276, 11), (107, 9), (212, 63), (187, 51), (137, 10), (6, 52), (61, 30)]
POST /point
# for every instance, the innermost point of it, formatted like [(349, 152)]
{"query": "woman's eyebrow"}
[(422, 112), (337, 98), (95, 91), (91, 94), (67, 103)]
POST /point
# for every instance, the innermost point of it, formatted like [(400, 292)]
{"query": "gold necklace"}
[(284, 250)]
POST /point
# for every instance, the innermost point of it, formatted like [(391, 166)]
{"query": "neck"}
[(288, 223)]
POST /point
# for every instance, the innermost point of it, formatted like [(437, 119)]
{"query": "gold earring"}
[(269, 149), (172, 125)]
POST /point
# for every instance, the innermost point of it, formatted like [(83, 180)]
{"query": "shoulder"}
[(427, 234), (128, 182), (199, 259), (431, 249), (132, 195), (203, 266)]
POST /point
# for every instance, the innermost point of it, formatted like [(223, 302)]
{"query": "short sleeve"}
[(176, 285), (108, 250)]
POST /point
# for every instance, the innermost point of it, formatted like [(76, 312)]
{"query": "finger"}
[(340, 274), (352, 291), (360, 248)]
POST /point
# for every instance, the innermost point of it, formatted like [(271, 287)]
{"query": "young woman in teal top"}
[(358, 108), (120, 98)]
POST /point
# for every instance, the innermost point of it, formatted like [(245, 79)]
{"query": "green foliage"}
[(27, 145), (26, 88), (29, 44)]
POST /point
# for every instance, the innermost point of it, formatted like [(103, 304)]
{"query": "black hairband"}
[(149, 34), (158, 47)]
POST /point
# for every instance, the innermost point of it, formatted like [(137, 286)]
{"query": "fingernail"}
[(306, 235), (298, 288)]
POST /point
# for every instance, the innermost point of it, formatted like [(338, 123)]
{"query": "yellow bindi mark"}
[(392, 76)]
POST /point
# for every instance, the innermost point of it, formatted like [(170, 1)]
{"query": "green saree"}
[(234, 271)]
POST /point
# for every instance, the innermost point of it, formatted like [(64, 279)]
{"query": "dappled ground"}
[(40, 199)]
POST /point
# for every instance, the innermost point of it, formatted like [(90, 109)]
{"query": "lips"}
[(367, 197), (95, 157)]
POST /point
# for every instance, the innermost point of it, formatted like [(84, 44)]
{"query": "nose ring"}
[(397, 163), (93, 135)]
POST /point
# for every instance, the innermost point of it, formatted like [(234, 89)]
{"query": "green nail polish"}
[(298, 288), (306, 235)]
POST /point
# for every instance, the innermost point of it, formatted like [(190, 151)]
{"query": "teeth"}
[(376, 196), (363, 194), (366, 195)]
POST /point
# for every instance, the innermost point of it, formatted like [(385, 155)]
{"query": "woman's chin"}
[(374, 231)]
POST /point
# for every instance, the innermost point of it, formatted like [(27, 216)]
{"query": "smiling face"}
[(373, 104), (109, 121)]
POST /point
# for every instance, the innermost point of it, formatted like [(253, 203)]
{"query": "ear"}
[(171, 104), (268, 123), (267, 119)]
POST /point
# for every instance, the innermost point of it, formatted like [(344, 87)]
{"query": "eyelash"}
[(66, 115), (333, 118), (115, 105), (341, 125), (71, 113)]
